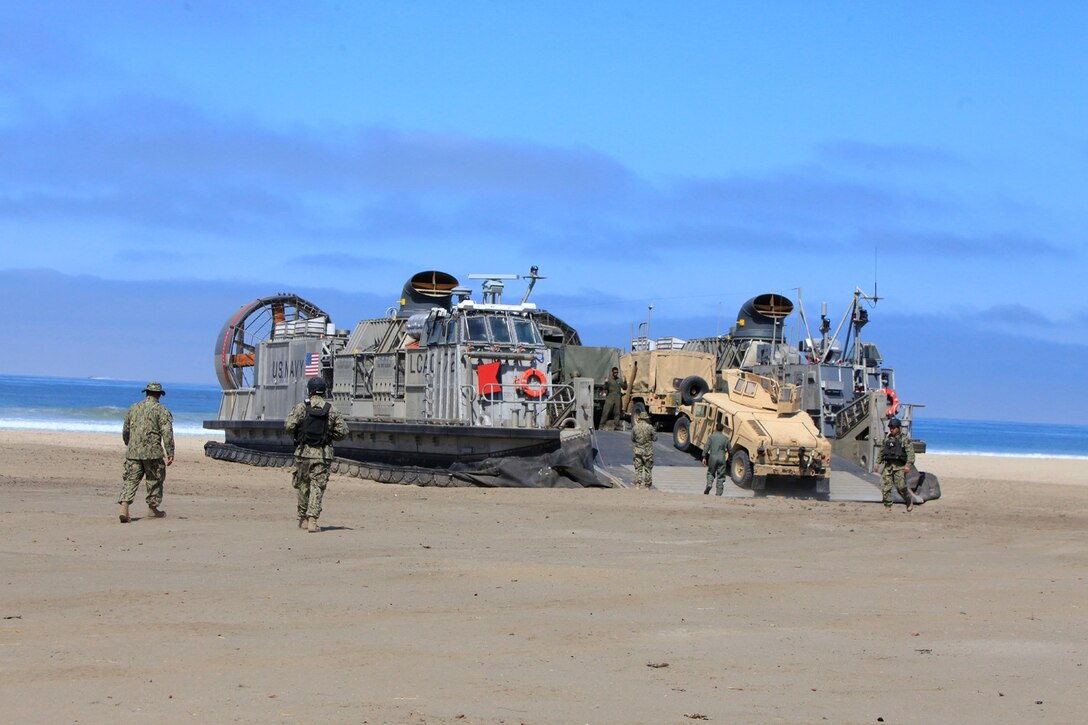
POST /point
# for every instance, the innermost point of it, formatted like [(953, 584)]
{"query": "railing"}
[(848, 418), (510, 409)]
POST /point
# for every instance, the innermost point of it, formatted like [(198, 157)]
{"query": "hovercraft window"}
[(438, 333), (477, 329), (500, 332), (525, 331)]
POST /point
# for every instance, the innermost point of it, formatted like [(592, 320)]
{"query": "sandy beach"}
[(426, 605)]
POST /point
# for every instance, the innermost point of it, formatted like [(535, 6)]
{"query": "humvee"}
[(769, 434)]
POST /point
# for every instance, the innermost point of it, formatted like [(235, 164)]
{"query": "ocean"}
[(99, 405)]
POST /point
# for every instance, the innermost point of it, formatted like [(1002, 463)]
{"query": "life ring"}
[(532, 382), (895, 401)]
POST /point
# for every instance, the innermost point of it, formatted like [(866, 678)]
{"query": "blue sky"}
[(163, 163)]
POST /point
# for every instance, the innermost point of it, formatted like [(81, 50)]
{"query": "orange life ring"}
[(895, 401), (526, 384)]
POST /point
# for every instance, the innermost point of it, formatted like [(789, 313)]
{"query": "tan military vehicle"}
[(661, 382), (769, 434)]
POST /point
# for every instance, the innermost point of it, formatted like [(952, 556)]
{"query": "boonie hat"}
[(154, 387)]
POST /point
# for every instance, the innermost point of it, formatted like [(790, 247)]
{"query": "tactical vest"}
[(314, 430), (894, 451)]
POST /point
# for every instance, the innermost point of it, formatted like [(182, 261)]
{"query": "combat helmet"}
[(895, 423), (316, 385)]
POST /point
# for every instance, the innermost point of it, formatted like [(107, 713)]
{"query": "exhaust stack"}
[(760, 318), (426, 290)]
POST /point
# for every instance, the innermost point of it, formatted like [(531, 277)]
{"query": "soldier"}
[(314, 424), (896, 456), (715, 456), (643, 436), (148, 432), (613, 399)]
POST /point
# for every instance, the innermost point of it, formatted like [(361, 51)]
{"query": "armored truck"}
[(769, 434)]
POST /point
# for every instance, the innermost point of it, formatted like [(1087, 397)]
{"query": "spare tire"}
[(692, 389)]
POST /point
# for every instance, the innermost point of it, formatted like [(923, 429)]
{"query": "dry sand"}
[(424, 605)]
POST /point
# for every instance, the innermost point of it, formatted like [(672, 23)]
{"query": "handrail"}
[(557, 403)]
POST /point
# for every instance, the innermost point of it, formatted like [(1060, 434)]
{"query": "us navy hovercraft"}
[(441, 390)]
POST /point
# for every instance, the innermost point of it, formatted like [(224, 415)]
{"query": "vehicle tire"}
[(681, 434), (637, 408), (692, 389), (740, 469)]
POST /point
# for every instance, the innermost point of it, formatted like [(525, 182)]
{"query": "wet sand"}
[(425, 605)]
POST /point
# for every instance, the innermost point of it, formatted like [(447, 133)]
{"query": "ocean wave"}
[(90, 413), (1005, 454), (75, 426)]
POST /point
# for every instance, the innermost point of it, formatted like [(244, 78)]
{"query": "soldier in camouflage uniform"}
[(314, 424), (613, 399), (148, 432), (643, 437), (896, 456), (715, 455)]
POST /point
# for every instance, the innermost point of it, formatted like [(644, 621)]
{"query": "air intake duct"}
[(426, 290), (760, 318)]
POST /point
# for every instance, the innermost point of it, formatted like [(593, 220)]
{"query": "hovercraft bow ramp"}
[(678, 472)]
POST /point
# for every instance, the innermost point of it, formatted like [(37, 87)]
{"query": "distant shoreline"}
[(113, 428), (1013, 469)]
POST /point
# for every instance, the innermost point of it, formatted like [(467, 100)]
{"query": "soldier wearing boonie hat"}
[(642, 438), (148, 433)]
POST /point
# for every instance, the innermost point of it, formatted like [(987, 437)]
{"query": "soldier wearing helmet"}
[(895, 456), (643, 437), (148, 433), (314, 424)]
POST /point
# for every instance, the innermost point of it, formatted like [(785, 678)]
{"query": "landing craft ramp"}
[(677, 472)]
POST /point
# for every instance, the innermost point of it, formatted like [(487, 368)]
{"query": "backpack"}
[(314, 429)]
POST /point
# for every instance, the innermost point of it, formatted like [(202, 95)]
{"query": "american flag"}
[(313, 365)]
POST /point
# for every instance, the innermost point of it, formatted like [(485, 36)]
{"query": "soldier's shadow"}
[(337, 528)]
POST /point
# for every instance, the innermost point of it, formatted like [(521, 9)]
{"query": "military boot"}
[(155, 512), (302, 522), (910, 502), (311, 525), (123, 516)]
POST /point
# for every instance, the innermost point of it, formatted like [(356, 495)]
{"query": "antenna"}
[(533, 277), (876, 253)]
